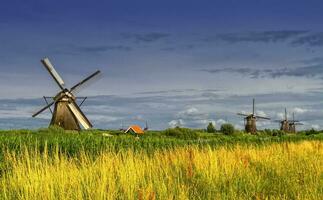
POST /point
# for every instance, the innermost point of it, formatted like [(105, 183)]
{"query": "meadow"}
[(54, 164)]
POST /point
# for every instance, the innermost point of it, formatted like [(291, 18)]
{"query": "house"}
[(135, 129)]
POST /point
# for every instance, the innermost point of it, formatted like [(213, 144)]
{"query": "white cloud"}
[(261, 113), (315, 126), (300, 110), (138, 117), (206, 121), (280, 115), (239, 127), (192, 113), (263, 123), (175, 123), (221, 121)]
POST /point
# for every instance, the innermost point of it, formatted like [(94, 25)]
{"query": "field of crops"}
[(53, 164)]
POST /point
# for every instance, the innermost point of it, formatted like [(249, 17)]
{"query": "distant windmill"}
[(284, 124), (293, 124), (66, 114), (146, 128), (122, 128), (250, 120)]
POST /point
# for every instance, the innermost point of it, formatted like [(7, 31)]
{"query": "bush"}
[(227, 129), (311, 132), (210, 128), (183, 133), (268, 132), (276, 132)]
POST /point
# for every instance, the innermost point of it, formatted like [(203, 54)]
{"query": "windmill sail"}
[(83, 81), (50, 68), (79, 115)]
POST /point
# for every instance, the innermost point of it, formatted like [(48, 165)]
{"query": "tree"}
[(227, 129), (210, 128)]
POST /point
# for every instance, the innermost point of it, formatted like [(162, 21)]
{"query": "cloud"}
[(306, 71), (108, 112), (261, 36), (176, 123), (147, 37), (263, 123), (253, 73), (102, 48), (205, 122), (221, 121), (280, 115), (300, 110), (76, 49), (314, 40), (261, 113), (138, 118), (315, 126), (192, 113)]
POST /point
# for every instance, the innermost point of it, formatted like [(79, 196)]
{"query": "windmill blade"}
[(86, 79), (44, 108), (50, 68), (79, 115), (47, 106), (260, 117), (245, 115), (253, 106), (82, 101)]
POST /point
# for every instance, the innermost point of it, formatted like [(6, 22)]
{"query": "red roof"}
[(135, 128)]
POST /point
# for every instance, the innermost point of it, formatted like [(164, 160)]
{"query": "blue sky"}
[(167, 62)]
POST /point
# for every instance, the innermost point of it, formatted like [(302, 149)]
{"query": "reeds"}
[(276, 171)]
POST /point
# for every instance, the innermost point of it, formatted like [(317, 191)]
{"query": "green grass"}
[(94, 141)]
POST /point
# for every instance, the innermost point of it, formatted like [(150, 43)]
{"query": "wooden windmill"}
[(250, 120), (293, 124), (66, 113), (284, 123)]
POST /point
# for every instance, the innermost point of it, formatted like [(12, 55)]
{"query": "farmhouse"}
[(135, 129)]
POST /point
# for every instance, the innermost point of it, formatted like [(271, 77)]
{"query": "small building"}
[(135, 129)]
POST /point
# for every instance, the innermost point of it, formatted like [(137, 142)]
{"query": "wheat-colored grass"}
[(276, 171)]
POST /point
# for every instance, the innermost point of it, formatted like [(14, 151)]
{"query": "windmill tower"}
[(66, 113), (250, 120), (284, 124), (293, 124)]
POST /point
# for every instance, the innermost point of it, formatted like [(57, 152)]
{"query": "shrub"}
[(210, 128), (268, 132), (183, 133), (276, 132), (227, 129), (311, 132)]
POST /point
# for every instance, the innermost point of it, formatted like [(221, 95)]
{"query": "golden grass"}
[(276, 171)]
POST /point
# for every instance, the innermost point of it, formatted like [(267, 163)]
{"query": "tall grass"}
[(277, 171)]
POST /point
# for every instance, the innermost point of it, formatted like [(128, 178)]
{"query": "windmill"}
[(66, 113), (146, 128), (284, 124), (250, 119), (293, 124)]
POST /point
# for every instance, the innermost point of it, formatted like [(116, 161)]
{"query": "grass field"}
[(53, 164)]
